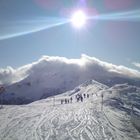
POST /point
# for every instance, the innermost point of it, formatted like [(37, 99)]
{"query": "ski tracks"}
[(82, 121), (71, 122)]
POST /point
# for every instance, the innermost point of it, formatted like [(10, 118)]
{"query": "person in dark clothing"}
[(81, 97), (65, 101), (84, 95), (87, 95), (71, 99), (61, 101)]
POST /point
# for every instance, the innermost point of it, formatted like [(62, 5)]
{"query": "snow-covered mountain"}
[(54, 75), (87, 120)]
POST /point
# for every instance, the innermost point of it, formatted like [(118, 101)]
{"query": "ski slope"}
[(48, 119), (61, 122)]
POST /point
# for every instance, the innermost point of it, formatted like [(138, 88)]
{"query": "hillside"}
[(55, 75), (49, 119)]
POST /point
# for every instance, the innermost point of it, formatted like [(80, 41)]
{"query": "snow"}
[(44, 120)]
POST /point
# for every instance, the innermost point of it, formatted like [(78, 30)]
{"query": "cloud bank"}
[(10, 75), (84, 68), (136, 64)]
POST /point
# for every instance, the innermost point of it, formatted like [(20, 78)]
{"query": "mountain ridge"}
[(50, 76)]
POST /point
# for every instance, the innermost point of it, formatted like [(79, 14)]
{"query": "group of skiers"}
[(78, 97), (66, 101)]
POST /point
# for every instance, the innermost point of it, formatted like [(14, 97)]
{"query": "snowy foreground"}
[(44, 120)]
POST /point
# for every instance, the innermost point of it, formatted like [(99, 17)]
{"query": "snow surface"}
[(44, 120)]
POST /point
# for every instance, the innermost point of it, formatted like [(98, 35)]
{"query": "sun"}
[(78, 19)]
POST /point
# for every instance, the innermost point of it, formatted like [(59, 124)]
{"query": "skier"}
[(84, 95), (81, 97), (65, 101), (87, 95), (71, 99), (61, 101)]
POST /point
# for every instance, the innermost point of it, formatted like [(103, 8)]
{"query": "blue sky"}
[(115, 41)]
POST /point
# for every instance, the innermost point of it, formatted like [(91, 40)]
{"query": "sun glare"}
[(78, 19)]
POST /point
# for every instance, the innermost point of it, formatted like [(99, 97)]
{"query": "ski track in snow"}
[(76, 121)]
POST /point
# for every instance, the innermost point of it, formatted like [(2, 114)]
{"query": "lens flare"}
[(30, 26), (78, 19)]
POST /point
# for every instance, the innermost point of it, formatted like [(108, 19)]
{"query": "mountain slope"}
[(54, 75), (49, 119)]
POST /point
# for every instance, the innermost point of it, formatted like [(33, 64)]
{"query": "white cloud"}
[(10, 75), (84, 68), (136, 64)]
